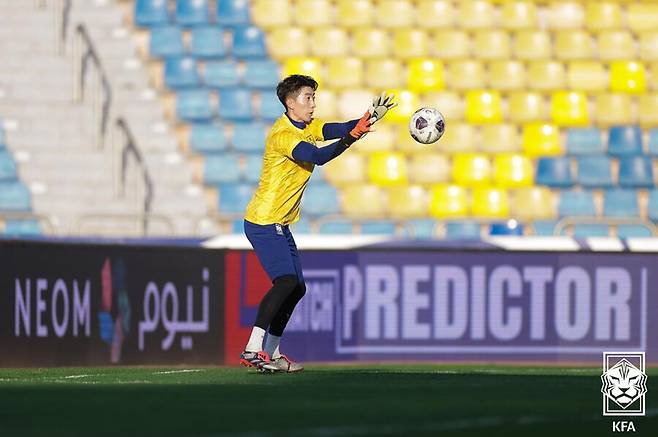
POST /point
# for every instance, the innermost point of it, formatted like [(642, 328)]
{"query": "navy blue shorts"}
[(275, 248)]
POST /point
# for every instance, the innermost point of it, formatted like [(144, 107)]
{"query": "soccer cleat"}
[(259, 360), (284, 364)]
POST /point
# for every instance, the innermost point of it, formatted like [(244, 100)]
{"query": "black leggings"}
[(278, 304)]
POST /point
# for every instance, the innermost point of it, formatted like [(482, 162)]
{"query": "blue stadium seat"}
[(14, 196), (635, 172), (625, 140), (377, 227), (248, 137), (620, 203), (585, 141), (7, 166), (652, 146), (253, 167), (318, 176), (2, 137), (208, 138), (207, 42), (544, 227), (302, 226), (166, 41), (194, 105), (342, 226), (465, 229), (221, 74), (248, 42), (422, 229), (151, 13), (554, 172), (576, 203), (320, 199), (235, 104), (237, 226), (233, 12), (181, 72), (652, 207), (192, 12), (584, 230), (220, 168), (234, 197), (270, 106), (594, 171), (506, 228), (261, 74), (22, 228), (633, 231)]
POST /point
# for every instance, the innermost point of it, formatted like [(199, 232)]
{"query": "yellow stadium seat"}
[(329, 42), (349, 169), (532, 44), (642, 17), (286, 42), (461, 137), (451, 44), (394, 13), (405, 143), (425, 74), (517, 15), (450, 102), (326, 106), (428, 168), (435, 14), (465, 75), (507, 75), (628, 77), (616, 45), (354, 13), (307, 65), (313, 13), (408, 201), (500, 138), (649, 46), (344, 72), (533, 203), (490, 203), (410, 43), (603, 15), (587, 76), (271, 13), (512, 170), (541, 139), (569, 108), (613, 109), (546, 75), (370, 43), (448, 201), (353, 103), (525, 106), (383, 140), (565, 15), (384, 73), (483, 107), (648, 110), (476, 14), (387, 168), (471, 169), (363, 201), (573, 45), (491, 44), (408, 103)]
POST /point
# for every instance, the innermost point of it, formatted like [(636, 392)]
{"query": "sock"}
[(272, 345), (255, 343)]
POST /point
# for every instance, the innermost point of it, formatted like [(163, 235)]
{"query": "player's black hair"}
[(291, 85)]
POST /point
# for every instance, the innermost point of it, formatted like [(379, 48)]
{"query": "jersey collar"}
[(297, 124)]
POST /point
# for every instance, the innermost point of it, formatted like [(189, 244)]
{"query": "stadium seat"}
[(271, 14), (507, 75), (450, 102), (532, 45), (166, 41), (584, 230), (627, 77), (466, 75), (329, 42), (541, 139), (544, 227), (309, 66), (510, 227), (233, 12), (181, 72), (471, 169), (408, 103), (652, 205), (533, 203), (616, 45), (410, 43), (234, 197), (192, 12), (500, 138), (346, 72), (576, 203), (648, 109), (320, 199), (221, 74), (371, 43), (565, 15), (642, 17), (408, 201), (492, 44), (235, 104), (613, 109), (336, 227), (353, 14), (207, 42), (649, 46), (635, 172), (261, 74), (151, 13), (253, 167), (313, 13), (286, 42), (490, 202), (394, 13), (584, 141), (428, 168), (384, 141), (448, 201), (377, 227), (620, 203), (14, 196), (208, 138), (301, 226), (460, 138), (512, 170), (634, 231), (475, 14), (573, 45), (270, 107), (22, 228), (420, 229), (363, 201), (451, 44), (526, 106), (349, 169), (569, 108), (248, 42), (624, 140), (516, 15), (387, 168), (464, 230), (221, 168), (587, 76), (384, 73), (483, 107), (594, 171), (248, 137), (546, 75), (351, 105), (652, 144), (603, 15), (194, 105), (435, 14), (7, 167), (554, 172), (425, 74)]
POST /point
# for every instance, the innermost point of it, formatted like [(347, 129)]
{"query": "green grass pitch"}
[(377, 400)]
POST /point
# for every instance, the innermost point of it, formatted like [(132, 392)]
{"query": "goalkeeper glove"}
[(380, 106), (362, 126)]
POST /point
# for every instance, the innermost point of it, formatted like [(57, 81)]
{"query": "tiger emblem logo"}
[(624, 383)]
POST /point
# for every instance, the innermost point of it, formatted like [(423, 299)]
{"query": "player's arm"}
[(331, 131), (380, 106)]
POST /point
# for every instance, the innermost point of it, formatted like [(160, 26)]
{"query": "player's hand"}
[(362, 126), (380, 106)]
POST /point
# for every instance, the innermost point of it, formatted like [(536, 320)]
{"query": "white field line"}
[(178, 371)]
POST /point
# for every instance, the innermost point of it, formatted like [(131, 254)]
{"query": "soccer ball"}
[(427, 125)]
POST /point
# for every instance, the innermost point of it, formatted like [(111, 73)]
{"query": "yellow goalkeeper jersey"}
[(283, 179)]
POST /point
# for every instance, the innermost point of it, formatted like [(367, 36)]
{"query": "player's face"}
[(301, 107)]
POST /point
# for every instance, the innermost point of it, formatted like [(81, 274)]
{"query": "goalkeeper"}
[(288, 161)]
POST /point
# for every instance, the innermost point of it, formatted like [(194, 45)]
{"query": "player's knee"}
[(287, 283)]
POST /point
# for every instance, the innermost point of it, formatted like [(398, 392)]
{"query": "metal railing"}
[(569, 222), (44, 220)]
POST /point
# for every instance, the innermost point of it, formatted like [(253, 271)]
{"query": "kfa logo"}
[(624, 385)]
